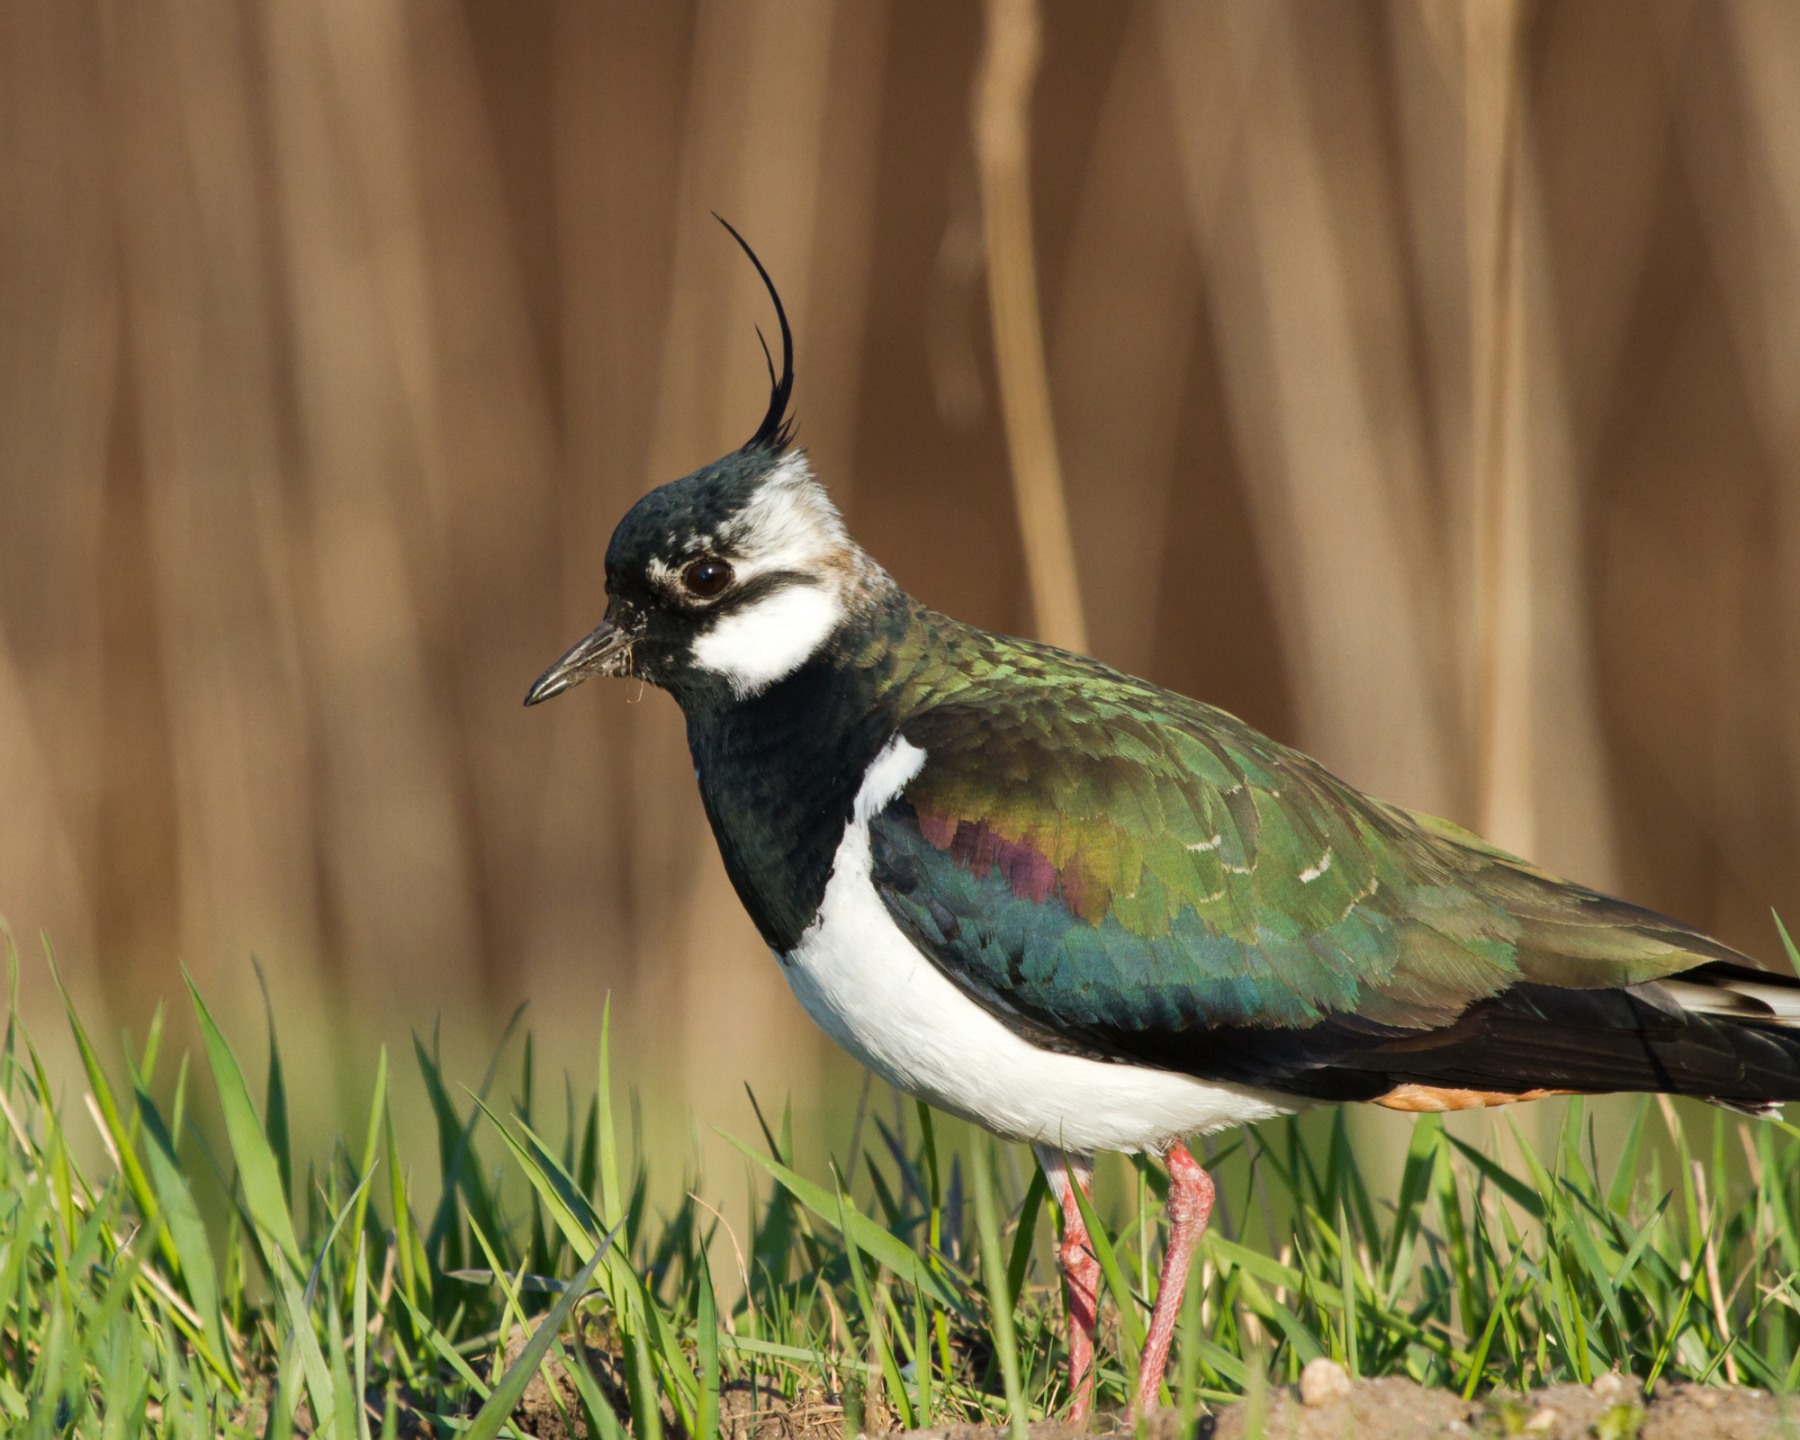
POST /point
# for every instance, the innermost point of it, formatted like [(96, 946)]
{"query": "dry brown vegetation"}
[(1425, 377)]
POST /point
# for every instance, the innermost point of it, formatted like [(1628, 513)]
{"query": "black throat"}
[(779, 773)]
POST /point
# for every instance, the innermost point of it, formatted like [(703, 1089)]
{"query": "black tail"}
[(1720, 1032)]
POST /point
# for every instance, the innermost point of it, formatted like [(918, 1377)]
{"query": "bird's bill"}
[(607, 651)]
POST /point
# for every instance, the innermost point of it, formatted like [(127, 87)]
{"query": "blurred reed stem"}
[(1002, 142), (1502, 604)]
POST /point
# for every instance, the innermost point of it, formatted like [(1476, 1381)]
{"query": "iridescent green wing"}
[(1122, 869)]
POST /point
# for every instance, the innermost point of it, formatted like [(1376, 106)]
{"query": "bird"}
[(1091, 914)]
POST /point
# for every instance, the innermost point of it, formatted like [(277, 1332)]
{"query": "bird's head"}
[(729, 579)]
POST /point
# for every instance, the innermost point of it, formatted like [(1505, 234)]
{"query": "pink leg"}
[(1190, 1202), (1080, 1272)]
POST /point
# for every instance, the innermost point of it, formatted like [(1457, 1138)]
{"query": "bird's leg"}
[(1190, 1202), (1080, 1271)]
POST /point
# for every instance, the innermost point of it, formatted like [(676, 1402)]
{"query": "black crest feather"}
[(776, 432)]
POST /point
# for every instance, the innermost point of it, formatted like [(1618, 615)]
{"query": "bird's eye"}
[(706, 577)]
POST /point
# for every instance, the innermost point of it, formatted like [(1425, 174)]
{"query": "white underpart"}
[(791, 525), (869, 988)]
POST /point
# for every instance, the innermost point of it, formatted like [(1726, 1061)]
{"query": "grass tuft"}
[(316, 1302)]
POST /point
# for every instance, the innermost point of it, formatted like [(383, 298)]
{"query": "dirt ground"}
[(1613, 1408), (1396, 1409)]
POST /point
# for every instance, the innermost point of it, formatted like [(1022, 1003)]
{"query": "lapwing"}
[(1088, 913)]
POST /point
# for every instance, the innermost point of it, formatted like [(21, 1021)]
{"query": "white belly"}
[(868, 987)]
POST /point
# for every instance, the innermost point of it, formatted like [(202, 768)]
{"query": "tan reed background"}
[(1425, 378)]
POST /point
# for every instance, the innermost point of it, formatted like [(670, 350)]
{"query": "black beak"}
[(605, 652)]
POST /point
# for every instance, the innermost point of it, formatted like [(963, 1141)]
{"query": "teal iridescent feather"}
[(1111, 857)]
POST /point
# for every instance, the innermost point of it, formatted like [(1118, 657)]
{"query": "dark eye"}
[(706, 577)]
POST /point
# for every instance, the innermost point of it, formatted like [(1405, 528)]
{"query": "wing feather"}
[(1147, 878)]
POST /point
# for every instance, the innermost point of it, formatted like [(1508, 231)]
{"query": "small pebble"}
[(1323, 1382), (1608, 1385), (1544, 1421)]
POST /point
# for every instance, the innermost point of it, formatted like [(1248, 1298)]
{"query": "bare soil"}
[(762, 1413), (1614, 1408), (1397, 1409)]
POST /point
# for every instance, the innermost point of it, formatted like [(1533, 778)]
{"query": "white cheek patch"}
[(771, 639)]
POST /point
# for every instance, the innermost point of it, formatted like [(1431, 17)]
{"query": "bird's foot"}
[(1190, 1203)]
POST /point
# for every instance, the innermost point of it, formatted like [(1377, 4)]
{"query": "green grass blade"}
[(258, 1170), (1035, 1195), (455, 1150), (1263, 1267), (1447, 1195), (1221, 1361), (999, 1291), (611, 1196), (337, 1224), (934, 1241), (1546, 1271), (188, 1232), (922, 1358), (348, 1398), (625, 1288), (513, 1312), (319, 1382), (1787, 943), (1689, 1195), (1355, 1193), (600, 1411), (146, 1065), (372, 1141), (1131, 1324), (1604, 1281), (411, 1265), (646, 1411), (128, 1264), (872, 1319), (1529, 1200), (573, 1213), (1478, 1361), (887, 1248), (1546, 1187), (1625, 1175), (118, 1132), (1415, 1183), (706, 1321), (275, 1108), (1224, 1254), (359, 1318), (446, 1351), (1775, 1169), (587, 1166)]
